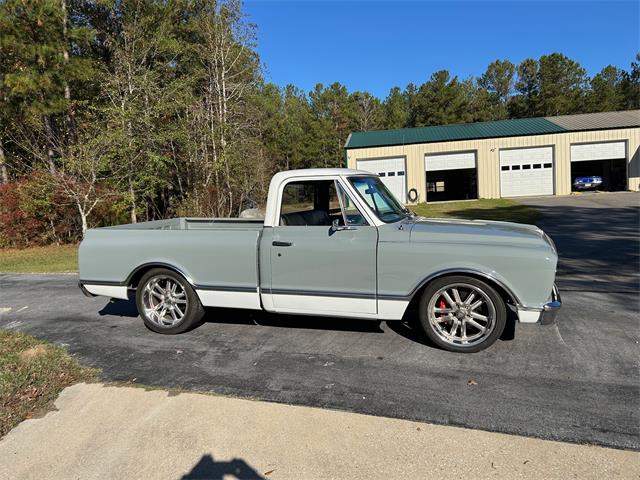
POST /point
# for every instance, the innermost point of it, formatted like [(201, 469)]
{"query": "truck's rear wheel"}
[(462, 314), (167, 303)]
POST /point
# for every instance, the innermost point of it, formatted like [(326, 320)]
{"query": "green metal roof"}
[(448, 133)]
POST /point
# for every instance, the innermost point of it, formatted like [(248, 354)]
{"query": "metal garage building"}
[(506, 158)]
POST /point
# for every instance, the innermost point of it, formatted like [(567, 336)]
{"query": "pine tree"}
[(396, 109), (630, 85), (563, 83), (606, 92), (45, 65), (525, 103), (496, 84), (442, 100), (334, 119)]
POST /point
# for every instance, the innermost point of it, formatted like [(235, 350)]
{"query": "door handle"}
[(276, 243)]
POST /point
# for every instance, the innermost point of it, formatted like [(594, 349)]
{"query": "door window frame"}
[(372, 221), (344, 211)]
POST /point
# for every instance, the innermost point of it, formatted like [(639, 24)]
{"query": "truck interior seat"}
[(252, 214), (311, 218)]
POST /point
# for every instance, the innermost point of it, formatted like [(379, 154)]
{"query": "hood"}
[(478, 232)]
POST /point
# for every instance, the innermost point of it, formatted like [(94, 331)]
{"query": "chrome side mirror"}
[(336, 227)]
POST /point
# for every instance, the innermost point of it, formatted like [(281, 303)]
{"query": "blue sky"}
[(374, 45)]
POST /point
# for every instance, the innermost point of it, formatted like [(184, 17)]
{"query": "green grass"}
[(484, 209), (52, 259), (32, 374)]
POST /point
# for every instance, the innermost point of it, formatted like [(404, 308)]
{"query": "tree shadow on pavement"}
[(598, 246), (208, 469)]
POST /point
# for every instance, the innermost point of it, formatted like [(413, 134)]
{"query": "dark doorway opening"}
[(452, 185), (613, 173)]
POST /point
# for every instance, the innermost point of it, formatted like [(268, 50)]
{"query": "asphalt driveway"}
[(598, 238), (574, 381)]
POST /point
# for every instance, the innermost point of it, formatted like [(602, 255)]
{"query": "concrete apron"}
[(124, 432)]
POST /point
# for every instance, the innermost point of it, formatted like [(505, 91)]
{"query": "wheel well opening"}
[(504, 294), (135, 278)]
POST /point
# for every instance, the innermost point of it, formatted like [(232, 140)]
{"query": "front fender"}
[(480, 272), (526, 274)]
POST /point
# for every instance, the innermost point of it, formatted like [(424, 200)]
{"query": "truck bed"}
[(192, 223), (212, 253)]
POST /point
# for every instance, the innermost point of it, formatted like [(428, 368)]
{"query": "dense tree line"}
[(128, 110)]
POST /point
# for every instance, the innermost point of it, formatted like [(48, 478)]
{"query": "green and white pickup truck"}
[(333, 242)]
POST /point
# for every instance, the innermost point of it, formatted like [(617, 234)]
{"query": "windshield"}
[(379, 199)]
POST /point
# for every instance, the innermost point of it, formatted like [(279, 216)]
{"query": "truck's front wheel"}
[(462, 314), (167, 303)]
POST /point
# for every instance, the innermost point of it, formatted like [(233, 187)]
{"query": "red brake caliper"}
[(442, 305)]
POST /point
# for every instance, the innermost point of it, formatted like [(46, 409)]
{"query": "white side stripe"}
[(217, 298), (392, 309), (112, 291), (317, 305)]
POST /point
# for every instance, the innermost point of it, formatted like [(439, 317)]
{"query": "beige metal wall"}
[(488, 157)]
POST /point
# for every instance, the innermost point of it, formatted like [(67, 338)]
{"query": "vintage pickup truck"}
[(333, 242)]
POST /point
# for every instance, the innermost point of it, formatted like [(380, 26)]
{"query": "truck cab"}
[(319, 245)]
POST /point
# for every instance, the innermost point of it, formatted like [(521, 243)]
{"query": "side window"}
[(309, 204), (351, 212), (298, 197)]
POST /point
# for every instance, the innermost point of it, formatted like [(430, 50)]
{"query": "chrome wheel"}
[(461, 314), (164, 300)]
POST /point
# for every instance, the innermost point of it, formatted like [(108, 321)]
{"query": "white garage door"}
[(598, 151), (449, 161), (392, 173), (526, 171)]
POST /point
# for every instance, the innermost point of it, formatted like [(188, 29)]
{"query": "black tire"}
[(435, 325), (187, 308)]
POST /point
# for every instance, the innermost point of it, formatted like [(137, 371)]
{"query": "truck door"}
[(323, 253)]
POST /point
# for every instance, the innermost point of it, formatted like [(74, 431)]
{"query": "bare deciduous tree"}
[(87, 178), (229, 73), (4, 176), (83, 174)]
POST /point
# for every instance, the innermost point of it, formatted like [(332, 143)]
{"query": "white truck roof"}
[(318, 172)]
